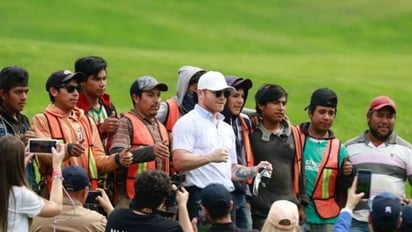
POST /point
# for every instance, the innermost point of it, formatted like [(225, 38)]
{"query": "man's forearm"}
[(240, 172)]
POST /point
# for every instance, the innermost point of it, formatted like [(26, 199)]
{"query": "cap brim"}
[(379, 107), (246, 84), (227, 88), (78, 76), (161, 86)]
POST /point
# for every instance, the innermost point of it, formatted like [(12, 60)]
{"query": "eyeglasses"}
[(219, 93), (72, 88)]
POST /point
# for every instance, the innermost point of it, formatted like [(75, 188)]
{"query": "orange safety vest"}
[(172, 115), (142, 137), (324, 192), (248, 148), (56, 132), (299, 139)]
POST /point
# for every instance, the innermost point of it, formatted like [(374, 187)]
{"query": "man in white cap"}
[(204, 145)]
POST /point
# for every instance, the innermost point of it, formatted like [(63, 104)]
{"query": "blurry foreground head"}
[(384, 212), (217, 201), (151, 189), (283, 216)]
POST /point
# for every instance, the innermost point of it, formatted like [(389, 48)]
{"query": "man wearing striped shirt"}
[(381, 150)]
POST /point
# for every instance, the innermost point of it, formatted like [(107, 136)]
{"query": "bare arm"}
[(184, 160), (181, 197), (240, 172), (53, 206)]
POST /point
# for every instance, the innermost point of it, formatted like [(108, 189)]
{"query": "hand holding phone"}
[(364, 182), (91, 197), (42, 146)]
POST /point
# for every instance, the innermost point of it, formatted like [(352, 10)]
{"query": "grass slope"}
[(358, 48)]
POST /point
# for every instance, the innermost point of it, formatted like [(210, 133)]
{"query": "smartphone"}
[(42, 146), (364, 182), (91, 197)]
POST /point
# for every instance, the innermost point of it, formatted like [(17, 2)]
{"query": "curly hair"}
[(151, 189)]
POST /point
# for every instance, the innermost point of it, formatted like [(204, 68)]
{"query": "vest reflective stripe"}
[(324, 192), (173, 114), (248, 148), (299, 138), (141, 138), (56, 132)]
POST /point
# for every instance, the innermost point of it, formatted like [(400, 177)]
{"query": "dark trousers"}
[(193, 203)]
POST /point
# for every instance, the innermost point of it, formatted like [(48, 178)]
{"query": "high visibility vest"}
[(299, 138), (142, 137), (324, 191), (56, 132), (248, 148), (172, 115)]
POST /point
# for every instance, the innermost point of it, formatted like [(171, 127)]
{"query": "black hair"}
[(268, 93), (90, 65), (218, 212), (151, 189), (195, 78)]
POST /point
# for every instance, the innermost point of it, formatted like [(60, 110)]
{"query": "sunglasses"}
[(220, 92), (72, 88)]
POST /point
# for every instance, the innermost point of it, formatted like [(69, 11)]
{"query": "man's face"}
[(148, 104), (274, 111), (212, 101), (235, 101), (15, 99), (381, 123), (95, 85), (66, 96), (322, 118)]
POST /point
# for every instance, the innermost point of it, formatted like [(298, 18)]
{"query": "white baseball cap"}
[(214, 81)]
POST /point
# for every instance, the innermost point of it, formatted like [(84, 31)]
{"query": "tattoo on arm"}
[(243, 172)]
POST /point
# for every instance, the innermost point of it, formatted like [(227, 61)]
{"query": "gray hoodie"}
[(184, 74)]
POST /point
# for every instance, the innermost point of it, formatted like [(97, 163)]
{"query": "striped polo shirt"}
[(390, 163)]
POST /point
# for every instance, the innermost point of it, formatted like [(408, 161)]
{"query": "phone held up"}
[(92, 203), (42, 146), (364, 182)]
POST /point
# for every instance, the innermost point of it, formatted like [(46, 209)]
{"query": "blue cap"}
[(215, 196), (75, 178), (407, 218), (385, 211)]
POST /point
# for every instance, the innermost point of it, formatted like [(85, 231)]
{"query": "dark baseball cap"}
[(146, 83), (239, 82), (385, 211), (407, 218), (13, 76), (57, 78), (215, 196), (75, 178), (323, 97)]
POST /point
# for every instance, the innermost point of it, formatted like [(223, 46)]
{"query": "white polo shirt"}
[(196, 132)]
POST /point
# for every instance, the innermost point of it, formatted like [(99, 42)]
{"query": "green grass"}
[(359, 48)]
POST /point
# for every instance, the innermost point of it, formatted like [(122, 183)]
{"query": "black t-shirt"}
[(126, 220), (227, 227)]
